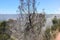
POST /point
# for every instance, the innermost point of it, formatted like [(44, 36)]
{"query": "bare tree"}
[(34, 21)]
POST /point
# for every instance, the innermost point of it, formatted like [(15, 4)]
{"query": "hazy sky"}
[(11, 6)]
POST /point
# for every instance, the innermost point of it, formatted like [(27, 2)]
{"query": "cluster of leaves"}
[(56, 24), (54, 21), (54, 27), (4, 36), (3, 30), (2, 27), (47, 34)]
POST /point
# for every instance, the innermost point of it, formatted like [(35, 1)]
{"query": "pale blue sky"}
[(11, 6)]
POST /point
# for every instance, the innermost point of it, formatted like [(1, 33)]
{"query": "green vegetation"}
[(50, 33), (3, 31), (47, 34), (2, 27), (4, 36), (56, 24), (54, 21)]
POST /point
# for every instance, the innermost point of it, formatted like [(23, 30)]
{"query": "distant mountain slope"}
[(8, 16), (15, 16)]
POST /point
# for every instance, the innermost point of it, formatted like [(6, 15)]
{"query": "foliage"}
[(3, 29), (54, 21), (47, 34), (51, 32), (4, 36)]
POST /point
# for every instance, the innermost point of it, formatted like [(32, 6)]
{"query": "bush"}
[(54, 29), (3, 34), (55, 21)]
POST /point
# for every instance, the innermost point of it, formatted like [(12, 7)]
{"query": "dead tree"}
[(34, 21)]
